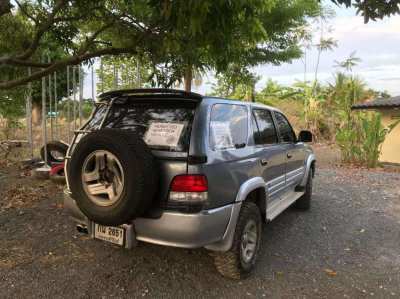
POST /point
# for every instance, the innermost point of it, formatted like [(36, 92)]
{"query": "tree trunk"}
[(188, 78), (305, 64), (36, 114), (317, 66)]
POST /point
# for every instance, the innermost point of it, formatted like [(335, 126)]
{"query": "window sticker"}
[(221, 133), (164, 133)]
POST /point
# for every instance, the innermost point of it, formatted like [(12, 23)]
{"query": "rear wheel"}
[(239, 261)]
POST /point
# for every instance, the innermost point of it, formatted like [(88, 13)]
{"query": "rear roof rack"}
[(150, 93)]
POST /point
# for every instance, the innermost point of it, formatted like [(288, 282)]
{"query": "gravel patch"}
[(346, 246)]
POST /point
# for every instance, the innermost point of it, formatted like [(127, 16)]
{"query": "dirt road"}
[(347, 246)]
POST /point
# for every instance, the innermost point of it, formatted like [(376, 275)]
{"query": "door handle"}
[(264, 162), (289, 155)]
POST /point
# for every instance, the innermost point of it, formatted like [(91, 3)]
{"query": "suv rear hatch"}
[(165, 125)]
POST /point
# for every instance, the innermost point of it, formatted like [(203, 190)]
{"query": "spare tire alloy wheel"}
[(103, 178), (112, 176)]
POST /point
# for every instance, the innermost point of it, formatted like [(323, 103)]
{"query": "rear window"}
[(162, 125)]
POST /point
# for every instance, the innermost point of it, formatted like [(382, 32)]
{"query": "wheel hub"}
[(249, 241), (102, 178)]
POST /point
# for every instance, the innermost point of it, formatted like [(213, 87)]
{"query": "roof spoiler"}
[(146, 93)]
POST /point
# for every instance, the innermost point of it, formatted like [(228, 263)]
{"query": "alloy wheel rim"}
[(248, 244), (102, 178)]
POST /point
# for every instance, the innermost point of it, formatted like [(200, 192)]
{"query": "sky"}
[(377, 44)]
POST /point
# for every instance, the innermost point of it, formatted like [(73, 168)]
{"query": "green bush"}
[(361, 141)]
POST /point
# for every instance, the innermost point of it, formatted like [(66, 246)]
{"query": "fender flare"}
[(248, 186), (310, 160)]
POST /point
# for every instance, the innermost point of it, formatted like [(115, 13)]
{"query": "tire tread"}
[(228, 263)]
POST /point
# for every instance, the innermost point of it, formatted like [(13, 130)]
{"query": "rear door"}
[(294, 152), (271, 156), (229, 157)]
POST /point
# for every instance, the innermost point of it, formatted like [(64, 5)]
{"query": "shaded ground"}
[(347, 246)]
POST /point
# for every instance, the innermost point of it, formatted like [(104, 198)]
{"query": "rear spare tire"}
[(112, 176)]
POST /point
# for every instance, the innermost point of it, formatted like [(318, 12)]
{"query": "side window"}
[(228, 126), (264, 128), (285, 129)]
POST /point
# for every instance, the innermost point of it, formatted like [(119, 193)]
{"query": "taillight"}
[(189, 189), (189, 183)]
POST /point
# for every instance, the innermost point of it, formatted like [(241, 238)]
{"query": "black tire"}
[(56, 152), (304, 202), (139, 169), (231, 263)]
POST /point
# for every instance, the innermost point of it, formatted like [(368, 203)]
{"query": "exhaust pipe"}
[(82, 229)]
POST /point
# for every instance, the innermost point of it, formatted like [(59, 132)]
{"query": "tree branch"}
[(25, 12), (22, 63), (90, 40), (73, 60), (43, 28)]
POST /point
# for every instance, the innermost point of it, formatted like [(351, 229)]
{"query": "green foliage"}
[(349, 62), (10, 112), (327, 44), (228, 35), (325, 111), (131, 72), (12, 107), (373, 9), (65, 105), (361, 143), (178, 37), (235, 82), (359, 135), (15, 32)]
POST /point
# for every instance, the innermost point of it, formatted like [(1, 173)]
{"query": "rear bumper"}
[(172, 228)]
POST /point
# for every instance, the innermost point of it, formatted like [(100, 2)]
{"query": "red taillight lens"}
[(189, 183)]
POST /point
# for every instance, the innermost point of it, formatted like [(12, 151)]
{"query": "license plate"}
[(109, 234)]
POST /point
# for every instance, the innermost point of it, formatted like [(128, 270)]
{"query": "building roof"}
[(378, 104)]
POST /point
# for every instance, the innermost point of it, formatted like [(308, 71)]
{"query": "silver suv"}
[(181, 169)]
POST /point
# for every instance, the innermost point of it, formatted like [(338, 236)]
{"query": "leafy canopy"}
[(175, 35), (373, 9), (178, 36)]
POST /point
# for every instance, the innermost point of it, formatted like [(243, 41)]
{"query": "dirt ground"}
[(346, 246)]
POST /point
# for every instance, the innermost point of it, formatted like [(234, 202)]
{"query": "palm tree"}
[(349, 62), (325, 44), (305, 37)]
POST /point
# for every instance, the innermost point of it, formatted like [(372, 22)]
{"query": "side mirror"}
[(305, 136)]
